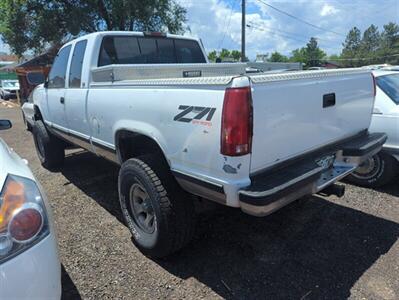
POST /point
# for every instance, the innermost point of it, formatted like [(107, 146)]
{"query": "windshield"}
[(390, 86), (10, 84)]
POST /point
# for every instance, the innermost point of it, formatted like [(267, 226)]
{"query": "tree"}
[(370, 44), (236, 55), (212, 56), (12, 25), (278, 57), (313, 53), (351, 47), (35, 24), (298, 55), (225, 54), (390, 43)]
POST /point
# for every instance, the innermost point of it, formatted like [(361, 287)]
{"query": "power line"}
[(284, 35), (298, 19), (265, 29), (290, 33), (233, 5)]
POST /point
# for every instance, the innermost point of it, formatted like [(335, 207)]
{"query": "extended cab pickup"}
[(184, 129)]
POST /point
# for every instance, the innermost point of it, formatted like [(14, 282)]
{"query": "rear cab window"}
[(148, 50), (75, 71), (389, 84)]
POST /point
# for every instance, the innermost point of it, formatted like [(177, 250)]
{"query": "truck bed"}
[(293, 112)]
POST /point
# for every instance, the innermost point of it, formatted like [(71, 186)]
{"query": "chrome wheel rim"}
[(141, 208), (369, 168)]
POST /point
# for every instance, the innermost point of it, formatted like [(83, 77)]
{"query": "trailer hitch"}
[(334, 189)]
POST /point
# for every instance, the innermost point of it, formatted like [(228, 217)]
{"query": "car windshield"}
[(390, 85), (10, 84)]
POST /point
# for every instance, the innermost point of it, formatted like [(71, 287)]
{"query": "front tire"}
[(49, 149), (158, 213), (375, 172)]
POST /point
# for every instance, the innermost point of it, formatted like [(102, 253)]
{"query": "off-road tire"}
[(173, 208), (49, 148), (385, 170)]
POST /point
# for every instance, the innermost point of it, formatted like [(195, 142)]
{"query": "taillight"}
[(236, 135), (25, 224), (374, 85), (23, 218)]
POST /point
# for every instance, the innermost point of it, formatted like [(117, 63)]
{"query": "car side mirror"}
[(5, 124), (35, 78)]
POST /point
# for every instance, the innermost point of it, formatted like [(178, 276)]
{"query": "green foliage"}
[(390, 43), (35, 24), (351, 47), (236, 55), (212, 56), (224, 54), (373, 47), (278, 57), (298, 55), (13, 24), (313, 53)]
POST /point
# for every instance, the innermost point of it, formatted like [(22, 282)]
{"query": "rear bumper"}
[(307, 175), (33, 274)]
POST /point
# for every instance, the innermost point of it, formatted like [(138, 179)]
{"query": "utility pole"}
[(243, 31)]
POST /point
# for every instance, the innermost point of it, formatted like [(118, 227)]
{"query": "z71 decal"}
[(195, 115)]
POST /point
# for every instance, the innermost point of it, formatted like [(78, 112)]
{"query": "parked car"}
[(182, 129), (381, 168), (29, 263), (8, 89)]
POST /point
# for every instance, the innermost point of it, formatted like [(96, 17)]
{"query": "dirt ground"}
[(315, 248)]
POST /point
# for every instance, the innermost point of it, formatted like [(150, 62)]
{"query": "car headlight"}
[(23, 218)]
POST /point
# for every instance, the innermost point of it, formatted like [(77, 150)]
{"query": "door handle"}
[(328, 100), (62, 100)]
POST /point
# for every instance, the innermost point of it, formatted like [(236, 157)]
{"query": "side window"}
[(56, 78), (188, 52), (75, 71), (119, 50)]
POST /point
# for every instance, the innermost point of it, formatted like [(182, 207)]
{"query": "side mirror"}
[(35, 78), (5, 124)]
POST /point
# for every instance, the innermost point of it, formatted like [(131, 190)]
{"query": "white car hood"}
[(11, 163)]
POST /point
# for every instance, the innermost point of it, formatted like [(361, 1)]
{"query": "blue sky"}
[(218, 22)]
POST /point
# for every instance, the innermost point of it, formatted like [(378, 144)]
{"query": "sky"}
[(218, 23)]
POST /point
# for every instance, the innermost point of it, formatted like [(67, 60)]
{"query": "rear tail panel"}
[(295, 113)]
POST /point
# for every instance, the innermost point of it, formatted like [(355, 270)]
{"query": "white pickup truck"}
[(184, 129)]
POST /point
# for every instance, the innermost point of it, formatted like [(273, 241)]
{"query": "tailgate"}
[(299, 112)]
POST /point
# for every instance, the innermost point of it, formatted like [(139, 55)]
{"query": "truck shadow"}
[(391, 188), (312, 249), (69, 290)]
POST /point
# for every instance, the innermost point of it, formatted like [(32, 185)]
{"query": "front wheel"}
[(376, 171), (158, 213), (49, 149)]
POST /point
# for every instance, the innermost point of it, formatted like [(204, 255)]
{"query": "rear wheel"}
[(376, 171), (158, 213), (49, 149)]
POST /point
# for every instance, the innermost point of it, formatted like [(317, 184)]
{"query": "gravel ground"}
[(315, 248)]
